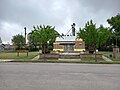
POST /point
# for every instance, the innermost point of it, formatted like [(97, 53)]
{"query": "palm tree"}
[(45, 34), (94, 37)]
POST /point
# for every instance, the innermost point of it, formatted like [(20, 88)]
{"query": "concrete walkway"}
[(5, 60), (106, 59), (36, 58)]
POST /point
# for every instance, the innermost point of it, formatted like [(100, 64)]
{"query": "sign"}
[(22, 51)]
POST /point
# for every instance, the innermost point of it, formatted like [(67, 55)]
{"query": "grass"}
[(63, 61), (107, 54), (13, 55), (24, 58), (115, 59), (91, 59)]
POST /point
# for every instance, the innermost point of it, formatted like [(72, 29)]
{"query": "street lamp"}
[(73, 29)]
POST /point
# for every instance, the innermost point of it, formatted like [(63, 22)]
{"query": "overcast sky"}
[(16, 14)]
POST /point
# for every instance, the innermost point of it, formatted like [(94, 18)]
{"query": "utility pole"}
[(25, 34)]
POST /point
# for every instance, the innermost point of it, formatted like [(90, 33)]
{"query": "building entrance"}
[(68, 48)]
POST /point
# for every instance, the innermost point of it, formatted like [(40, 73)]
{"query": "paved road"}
[(56, 76)]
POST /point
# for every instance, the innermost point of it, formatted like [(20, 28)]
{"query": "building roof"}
[(66, 39)]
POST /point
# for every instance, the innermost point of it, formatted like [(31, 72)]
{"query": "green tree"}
[(93, 37), (33, 41), (103, 36), (115, 28), (89, 35), (19, 41), (45, 34)]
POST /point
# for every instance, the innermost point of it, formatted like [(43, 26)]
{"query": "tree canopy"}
[(103, 35), (115, 23), (43, 34), (93, 37), (115, 28), (33, 41), (19, 41)]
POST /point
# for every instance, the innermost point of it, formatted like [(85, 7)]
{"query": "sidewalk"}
[(36, 58), (106, 59), (5, 60)]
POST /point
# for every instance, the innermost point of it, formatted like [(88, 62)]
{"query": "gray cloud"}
[(108, 5), (59, 13)]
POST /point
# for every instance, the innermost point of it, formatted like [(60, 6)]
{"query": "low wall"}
[(50, 56), (69, 56), (90, 55), (116, 55)]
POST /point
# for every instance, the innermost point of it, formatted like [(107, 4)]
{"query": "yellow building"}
[(69, 44)]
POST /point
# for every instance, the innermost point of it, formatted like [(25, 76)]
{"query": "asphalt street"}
[(59, 76)]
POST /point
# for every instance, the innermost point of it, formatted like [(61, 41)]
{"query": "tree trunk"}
[(91, 49)]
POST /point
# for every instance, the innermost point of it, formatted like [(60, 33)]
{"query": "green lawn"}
[(115, 59), (92, 60), (24, 58), (107, 54), (13, 55), (82, 60), (63, 61)]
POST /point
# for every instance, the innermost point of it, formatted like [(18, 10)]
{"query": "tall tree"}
[(103, 35), (115, 23), (45, 34), (115, 27), (33, 41), (93, 37), (89, 35), (19, 41)]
